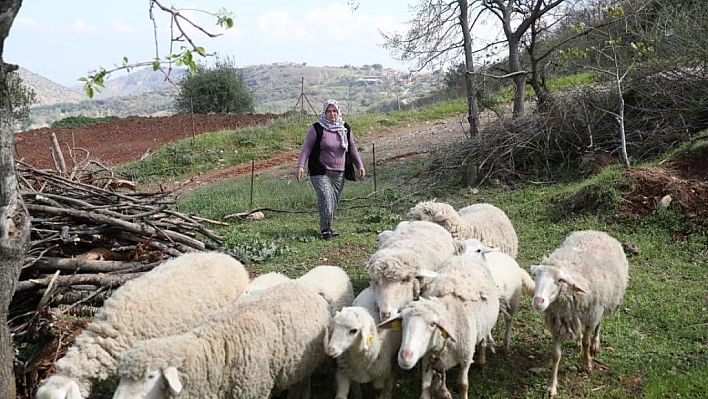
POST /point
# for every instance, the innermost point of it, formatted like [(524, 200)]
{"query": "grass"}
[(655, 346), (227, 148)]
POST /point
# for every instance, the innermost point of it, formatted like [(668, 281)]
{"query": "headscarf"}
[(337, 125)]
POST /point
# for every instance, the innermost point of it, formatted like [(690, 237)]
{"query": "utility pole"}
[(303, 97)]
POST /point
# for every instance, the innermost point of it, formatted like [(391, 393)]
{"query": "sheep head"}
[(424, 328), (60, 387), (548, 281), (161, 383), (351, 327), (395, 279)]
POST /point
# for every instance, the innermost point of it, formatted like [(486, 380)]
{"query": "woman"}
[(325, 162)]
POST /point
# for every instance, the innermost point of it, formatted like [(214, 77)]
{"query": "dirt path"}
[(389, 145), (120, 141)]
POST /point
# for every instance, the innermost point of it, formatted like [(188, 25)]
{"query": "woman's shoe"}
[(333, 233), (326, 234)]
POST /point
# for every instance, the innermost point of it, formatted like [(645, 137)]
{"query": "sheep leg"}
[(355, 390), (481, 349), (438, 387), (587, 358), (508, 320), (382, 387), (463, 382), (426, 378), (387, 390), (595, 346), (553, 386), (301, 390), (343, 384)]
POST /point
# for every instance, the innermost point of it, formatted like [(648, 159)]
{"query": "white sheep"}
[(383, 236), (265, 281), (398, 265), (364, 354), (483, 221), (248, 349), (575, 286), (262, 283), (173, 297), (455, 313), (333, 284), (511, 280)]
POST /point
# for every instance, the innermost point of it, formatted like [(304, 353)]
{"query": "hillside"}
[(48, 92), (277, 88)]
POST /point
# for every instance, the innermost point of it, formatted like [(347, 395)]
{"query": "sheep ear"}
[(172, 377), (368, 336), (443, 331), (487, 249), (570, 281), (460, 246), (439, 218), (73, 392), (393, 323), (426, 273)]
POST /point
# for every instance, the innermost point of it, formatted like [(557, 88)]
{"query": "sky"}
[(65, 40)]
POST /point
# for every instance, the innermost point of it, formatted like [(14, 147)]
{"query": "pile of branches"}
[(90, 234), (577, 133)]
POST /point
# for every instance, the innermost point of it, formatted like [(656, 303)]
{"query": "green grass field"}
[(655, 346)]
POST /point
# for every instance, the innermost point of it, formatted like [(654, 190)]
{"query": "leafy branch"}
[(184, 56)]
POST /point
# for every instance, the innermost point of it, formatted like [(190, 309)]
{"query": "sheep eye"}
[(353, 331), (406, 279), (433, 325)]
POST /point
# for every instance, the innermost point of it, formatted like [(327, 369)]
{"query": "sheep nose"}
[(331, 351), (406, 359), (385, 315), (538, 302)]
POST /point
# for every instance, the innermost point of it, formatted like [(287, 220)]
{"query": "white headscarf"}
[(337, 125)]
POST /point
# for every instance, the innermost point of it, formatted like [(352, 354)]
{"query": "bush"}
[(217, 89), (76, 121), (22, 97)]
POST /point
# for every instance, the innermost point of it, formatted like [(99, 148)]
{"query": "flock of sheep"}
[(196, 327)]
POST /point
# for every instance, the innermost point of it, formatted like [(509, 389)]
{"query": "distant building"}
[(370, 79)]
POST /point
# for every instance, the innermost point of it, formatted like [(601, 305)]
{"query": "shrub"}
[(217, 89), (76, 121)]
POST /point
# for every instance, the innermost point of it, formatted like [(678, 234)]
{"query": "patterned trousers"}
[(328, 188)]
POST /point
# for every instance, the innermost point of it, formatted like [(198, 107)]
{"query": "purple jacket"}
[(331, 151)]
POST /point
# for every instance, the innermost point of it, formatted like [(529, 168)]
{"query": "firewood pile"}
[(91, 232)]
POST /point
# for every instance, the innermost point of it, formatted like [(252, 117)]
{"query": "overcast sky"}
[(65, 40)]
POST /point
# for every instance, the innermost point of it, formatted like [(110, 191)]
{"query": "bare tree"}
[(618, 50), (14, 218), (438, 35), (523, 14)]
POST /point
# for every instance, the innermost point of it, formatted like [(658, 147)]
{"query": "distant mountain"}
[(277, 88), (138, 82), (48, 92)]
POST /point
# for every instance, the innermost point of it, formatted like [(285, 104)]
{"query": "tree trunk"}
[(519, 79), (14, 218), (471, 171)]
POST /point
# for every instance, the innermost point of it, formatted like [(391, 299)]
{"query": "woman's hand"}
[(299, 173), (362, 173)]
